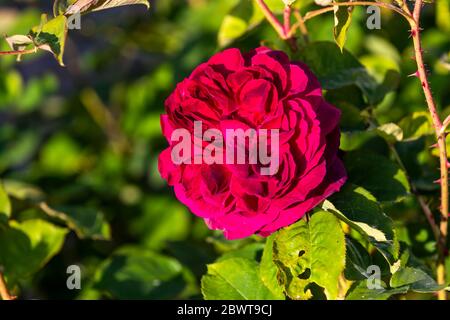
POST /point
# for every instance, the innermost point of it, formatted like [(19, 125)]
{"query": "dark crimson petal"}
[(260, 90), (228, 60), (168, 170)]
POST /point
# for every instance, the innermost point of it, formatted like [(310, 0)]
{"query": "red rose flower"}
[(261, 90)]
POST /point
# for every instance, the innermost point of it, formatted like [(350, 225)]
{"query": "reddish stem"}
[(440, 135), (287, 20), (279, 28), (17, 52)]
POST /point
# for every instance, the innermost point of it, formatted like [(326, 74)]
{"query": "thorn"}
[(438, 181), (415, 74), (448, 164), (434, 146)]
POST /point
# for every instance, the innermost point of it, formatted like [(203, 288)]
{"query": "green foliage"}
[(61, 7), (27, 246), (269, 269), (338, 70), (86, 223), (359, 209), (311, 252), (241, 19), (235, 279), (134, 273), (379, 175), (416, 279), (5, 205), (79, 148), (342, 21), (50, 35), (360, 291)]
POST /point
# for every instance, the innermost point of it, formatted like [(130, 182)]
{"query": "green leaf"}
[(82, 6), (360, 291), (235, 279), (416, 279), (5, 205), (162, 220), (51, 36), (352, 140), (357, 260), (390, 132), (358, 208), (23, 191), (86, 222), (60, 6), (268, 269), (311, 252), (250, 251), (18, 42), (25, 247), (447, 269), (336, 70), (416, 125), (376, 173), (135, 273), (342, 21), (241, 19), (247, 15)]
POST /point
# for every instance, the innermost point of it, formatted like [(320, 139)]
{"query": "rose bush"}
[(260, 90)]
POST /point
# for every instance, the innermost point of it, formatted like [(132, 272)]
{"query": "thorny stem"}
[(287, 20), (18, 52), (283, 30), (440, 135), (276, 24), (4, 292), (414, 22)]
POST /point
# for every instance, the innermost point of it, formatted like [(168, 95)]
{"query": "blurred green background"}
[(85, 138)]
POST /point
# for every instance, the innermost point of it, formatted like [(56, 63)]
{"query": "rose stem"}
[(282, 30), (287, 19), (279, 28), (440, 135), (17, 53), (301, 25)]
